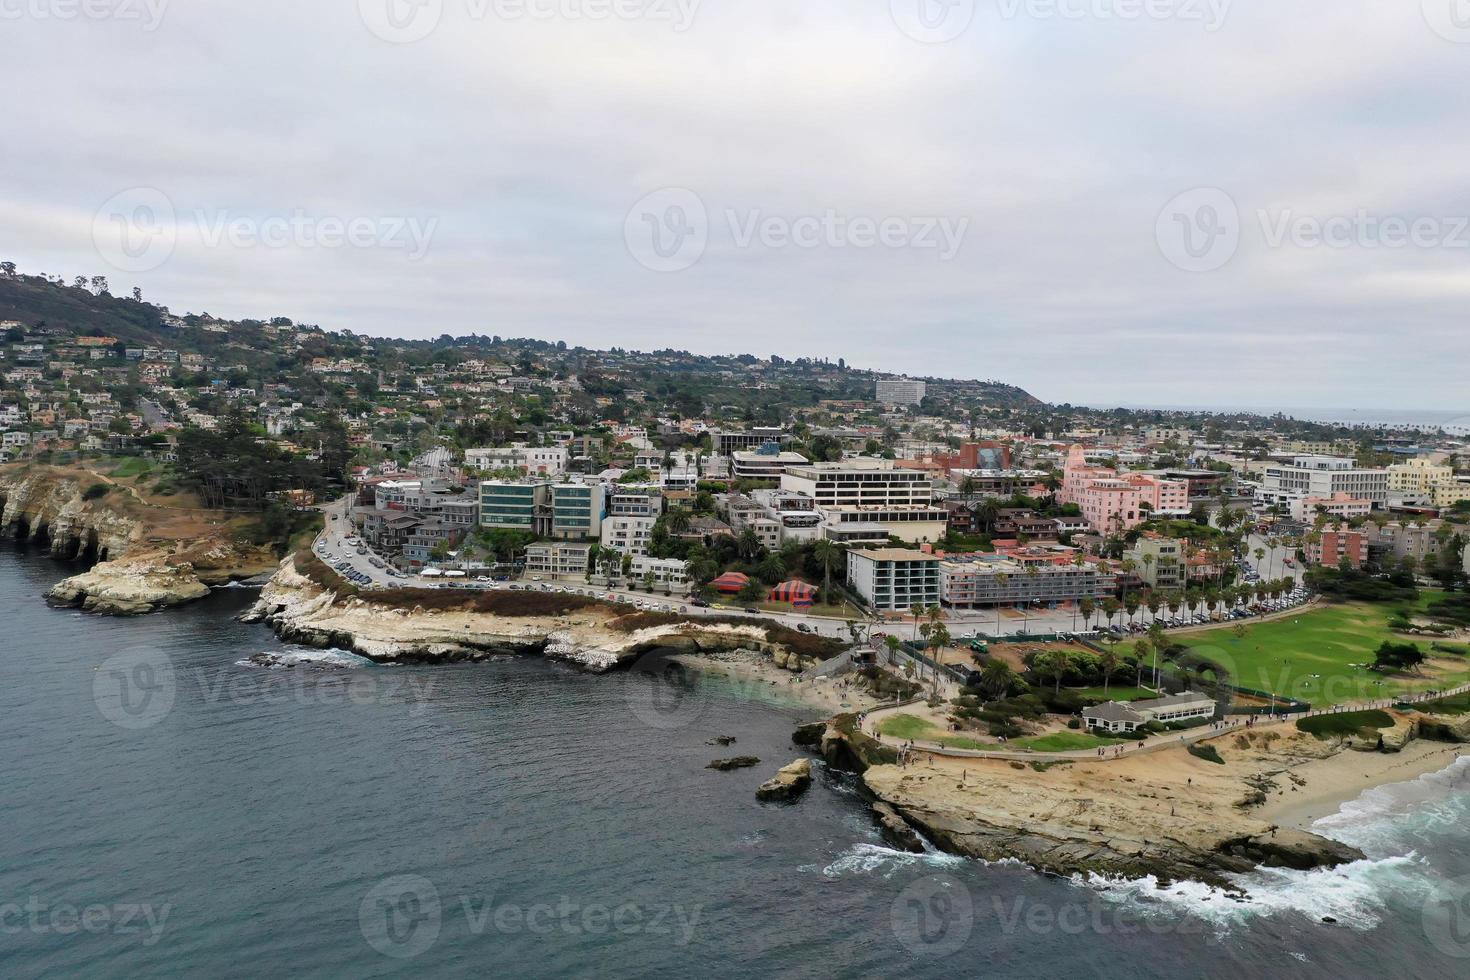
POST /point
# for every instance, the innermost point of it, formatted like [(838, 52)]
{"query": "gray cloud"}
[(1058, 140)]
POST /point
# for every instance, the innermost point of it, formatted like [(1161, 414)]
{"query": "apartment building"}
[(1338, 545), (969, 581), (1395, 541), (1306, 509), (531, 460), (1160, 562), (628, 533), (668, 574), (727, 443), (894, 578), (899, 391), (1322, 476), (558, 561)]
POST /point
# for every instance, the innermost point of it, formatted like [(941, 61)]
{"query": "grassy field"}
[(1116, 692), (1365, 723), (1321, 655), (131, 466), (1458, 704), (914, 727)]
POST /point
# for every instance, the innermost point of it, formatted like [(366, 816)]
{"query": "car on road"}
[(752, 609)]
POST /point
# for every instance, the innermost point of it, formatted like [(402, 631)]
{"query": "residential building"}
[(894, 578), (557, 561), (970, 581), (1159, 561), (531, 460), (628, 534), (1306, 509), (1322, 476), (900, 391), (860, 482), (1337, 545), (669, 574)]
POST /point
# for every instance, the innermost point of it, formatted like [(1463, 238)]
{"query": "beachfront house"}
[(1116, 717)]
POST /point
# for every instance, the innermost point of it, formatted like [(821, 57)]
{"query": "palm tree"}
[(1110, 609), (1087, 606), (1031, 573), (678, 520), (996, 676), (1155, 602), (1109, 661), (917, 611), (1130, 605), (825, 552)]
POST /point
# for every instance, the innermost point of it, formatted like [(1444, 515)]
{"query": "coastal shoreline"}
[(1332, 782), (825, 696)]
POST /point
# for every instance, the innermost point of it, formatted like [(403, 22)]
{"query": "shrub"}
[(1207, 752), (96, 490), (1074, 723)]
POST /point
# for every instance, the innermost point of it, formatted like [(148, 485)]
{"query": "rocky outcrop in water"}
[(790, 781), (737, 762)]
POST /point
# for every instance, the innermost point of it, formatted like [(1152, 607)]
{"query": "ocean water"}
[(172, 807)]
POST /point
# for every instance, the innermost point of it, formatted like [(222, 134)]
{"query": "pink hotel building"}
[(1113, 502)]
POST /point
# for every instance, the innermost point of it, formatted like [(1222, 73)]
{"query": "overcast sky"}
[(1258, 202)]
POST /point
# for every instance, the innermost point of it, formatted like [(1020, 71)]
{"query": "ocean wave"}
[(863, 858), (241, 585), (1355, 895), (305, 657), (1383, 819)]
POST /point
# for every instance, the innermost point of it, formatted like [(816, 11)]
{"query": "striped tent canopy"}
[(795, 592), (731, 582)]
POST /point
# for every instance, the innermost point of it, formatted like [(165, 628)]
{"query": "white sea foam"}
[(866, 858), (1381, 819)]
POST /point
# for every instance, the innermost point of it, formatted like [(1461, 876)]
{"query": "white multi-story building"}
[(860, 482), (668, 574), (900, 391), (628, 534), (894, 578), (532, 460), (557, 560), (1323, 476)]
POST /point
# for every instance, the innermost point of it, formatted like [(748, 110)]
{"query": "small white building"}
[(1119, 718)]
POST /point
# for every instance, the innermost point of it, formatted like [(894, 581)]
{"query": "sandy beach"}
[(1344, 777)]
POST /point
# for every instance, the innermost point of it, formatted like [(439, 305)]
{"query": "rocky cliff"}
[(596, 637), (149, 556), (1166, 814)]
